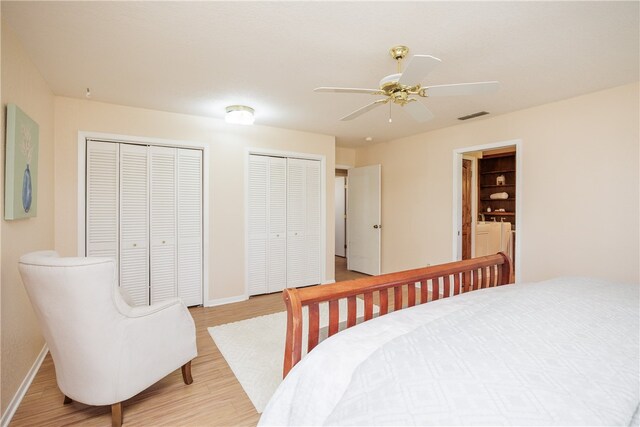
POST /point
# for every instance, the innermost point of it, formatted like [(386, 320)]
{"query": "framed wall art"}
[(21, 165)]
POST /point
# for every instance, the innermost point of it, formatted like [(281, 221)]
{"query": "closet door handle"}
[(377, 226)]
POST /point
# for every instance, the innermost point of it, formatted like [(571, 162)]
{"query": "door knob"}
[(377, 226)]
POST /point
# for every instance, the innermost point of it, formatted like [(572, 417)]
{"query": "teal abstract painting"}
[(21, 165)]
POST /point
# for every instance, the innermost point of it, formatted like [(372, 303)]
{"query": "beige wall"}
[(21, 340), (227, 153), (345, 156), (579, 213)]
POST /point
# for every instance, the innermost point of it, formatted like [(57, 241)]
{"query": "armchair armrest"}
[(161, 335)]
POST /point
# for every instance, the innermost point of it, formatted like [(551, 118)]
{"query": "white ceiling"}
[(198, 57)]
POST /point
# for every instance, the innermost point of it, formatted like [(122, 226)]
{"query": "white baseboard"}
[(229, 300), (328, 282), (22, 390)]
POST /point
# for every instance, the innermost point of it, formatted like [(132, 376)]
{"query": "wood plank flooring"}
[(215, 398), (343, 274)]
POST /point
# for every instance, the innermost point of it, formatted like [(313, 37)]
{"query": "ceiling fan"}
[(402, 87)]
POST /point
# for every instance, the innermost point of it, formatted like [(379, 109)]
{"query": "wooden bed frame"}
[(445, 280)]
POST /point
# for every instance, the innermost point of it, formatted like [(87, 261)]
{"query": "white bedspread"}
[(560, 352)]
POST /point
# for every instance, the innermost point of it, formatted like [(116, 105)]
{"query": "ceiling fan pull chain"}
[(390, 113)]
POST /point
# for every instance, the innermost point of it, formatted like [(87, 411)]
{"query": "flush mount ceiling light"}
[(239, 115)]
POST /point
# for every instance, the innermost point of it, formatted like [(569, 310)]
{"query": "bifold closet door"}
[(303, 222), (144, 209), (134, 222), (189, 226), (267, 222), (163, 223), (102, 200), (257, 200), (313, 223), (277, 225)]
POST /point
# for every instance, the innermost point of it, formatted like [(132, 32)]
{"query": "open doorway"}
[(340, 205), (487, 198)]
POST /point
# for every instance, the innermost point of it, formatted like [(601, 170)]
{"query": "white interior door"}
[(313, 222), (277, 225), (296, 222), (162, 207), (340, 211), (102, 200), (303, 222), (189, 225), (258, 197), (363, 219), (134, 222), (144, 209)]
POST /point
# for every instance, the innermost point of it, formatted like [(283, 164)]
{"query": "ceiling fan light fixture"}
[(402, 87), (239, 115)]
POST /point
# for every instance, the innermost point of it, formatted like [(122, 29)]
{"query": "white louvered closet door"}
[(284, 223), (296, 222), (163, 223), (258, 186), (134, 222), (277, 225), (102, 200), (189, 211), (313, 222)]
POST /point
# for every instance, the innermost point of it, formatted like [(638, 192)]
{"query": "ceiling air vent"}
[(473, 116)]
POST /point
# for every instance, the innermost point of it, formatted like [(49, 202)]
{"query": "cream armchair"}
[(104, 350)]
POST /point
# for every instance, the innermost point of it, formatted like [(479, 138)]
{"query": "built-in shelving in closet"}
[(144, 209), (284, 223), (497, 174)]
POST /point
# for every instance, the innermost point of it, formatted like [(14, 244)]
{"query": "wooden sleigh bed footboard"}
[(391, 292)]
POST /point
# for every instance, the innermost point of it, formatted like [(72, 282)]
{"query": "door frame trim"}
[(323, 205), (83, 136), (457, 198)]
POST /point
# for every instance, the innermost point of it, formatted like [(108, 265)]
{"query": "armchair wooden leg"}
[(186, 373), (67, 400), (116, 414)]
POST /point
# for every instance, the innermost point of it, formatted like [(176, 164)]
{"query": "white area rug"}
[(254, 348)]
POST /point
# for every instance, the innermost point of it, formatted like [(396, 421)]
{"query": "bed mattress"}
[(559, 352)]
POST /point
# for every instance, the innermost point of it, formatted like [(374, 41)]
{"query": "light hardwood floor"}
[(342, 273), (215, 398)]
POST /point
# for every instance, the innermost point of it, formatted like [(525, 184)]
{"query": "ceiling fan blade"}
[(348, 90), (478, 88), (417, 69), (361, 111), (418, 111)]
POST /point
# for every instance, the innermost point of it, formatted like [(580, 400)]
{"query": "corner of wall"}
[(22, 341)]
